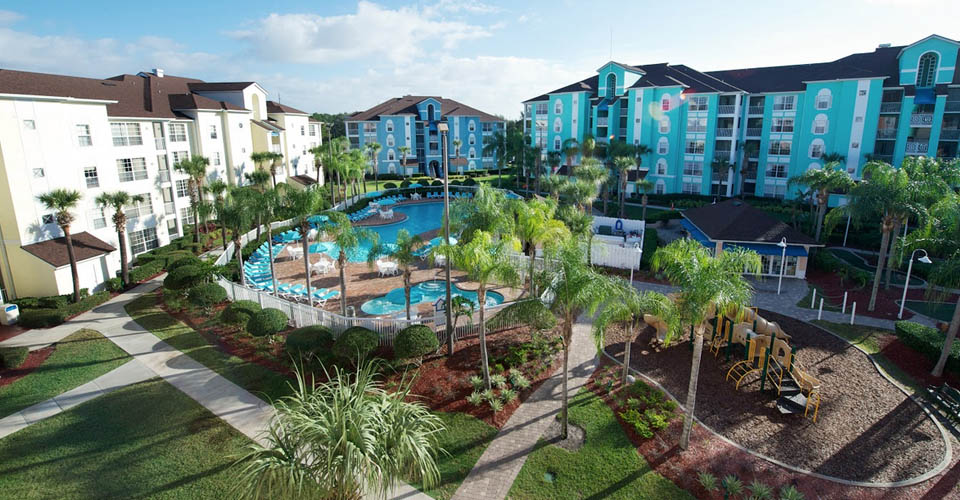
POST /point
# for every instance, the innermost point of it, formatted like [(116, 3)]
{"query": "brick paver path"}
[(499, 465)]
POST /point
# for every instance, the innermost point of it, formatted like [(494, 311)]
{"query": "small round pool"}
[(427, 291)]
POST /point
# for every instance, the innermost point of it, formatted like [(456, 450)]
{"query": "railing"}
[(721, 155), (917, 148), (921, 120), (755, 110), (952, 106), (724, 132), (726, 109), (160, 143), (168, 208), (697, 128), (602, 121), (890, 107), (950, 134), (887, 133), (164, 176), (754, 132)]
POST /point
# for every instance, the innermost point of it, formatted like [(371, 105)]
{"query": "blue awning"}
[(769, 249), (696, 233), (925, 96)]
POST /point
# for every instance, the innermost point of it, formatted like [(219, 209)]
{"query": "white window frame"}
[(388, 126), (97, 219), (816, 149), (126, 134), (663, 146), (91, 181), (661, 167), (143, 240), (558, 107), (557, 143), (178, 132), (823, 100), (213, 131), (784, 102), (821, 124), (557, 125), (182, 188), (132, 169), (139, 209), (216, 159), (665, 103), (664, 125), (84, 139), (776, 170)]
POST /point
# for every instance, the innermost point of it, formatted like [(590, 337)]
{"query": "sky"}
[(335, 56)]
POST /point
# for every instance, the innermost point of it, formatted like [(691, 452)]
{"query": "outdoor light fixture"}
[(783, 261), (906, 283), (443, 128)]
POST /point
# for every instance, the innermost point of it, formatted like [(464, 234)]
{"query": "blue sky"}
[(346, 56)]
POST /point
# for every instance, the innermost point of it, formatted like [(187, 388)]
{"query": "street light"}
[(443, 128), (926, 260), (783, 261)]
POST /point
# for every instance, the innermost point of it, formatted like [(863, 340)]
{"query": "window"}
[(179, 156), (782, 125), (139, 209), (557, 125), (29, 124), (558, 107), (690, 188), (528, 108), (391, 141), (48, 219), (695, 124), (927, 70), (665, 102), (473, 153), (698, 103), (90, 175), (216, 158), (38, 173), (83, 135), (661, 167), (665, 125), (488, 126), (126, 134), (693, 168), (369, 128), (472, 140), (611, 84), (186, 216), (777, 170), (541, 108), (143, 240), (663, 146), (389, 126), (178, 132), (783, 102), (824, 99), (183, 188), (213, 131), (391, 155), (353, 128), (313, 130), (820, 124), (775, 191), (97, 219), (132, 169), (816, 148), (472, 126), (661, 188), (780, 148), (556, 143), (303, 130), (695, 147)]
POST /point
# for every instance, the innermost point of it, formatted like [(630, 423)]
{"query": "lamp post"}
[(783, 261), (926, 260), (443, 128)]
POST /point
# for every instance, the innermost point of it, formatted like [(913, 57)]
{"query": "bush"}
[(241, 311), (355, 343), (415, 341), (927, 341), (114, 284), (54, 302), (268, 321), (437, 183), (13, 357), (145, 271), (171, 257), (309, 340), (42, 318), (650, 241), (183, 277), (207, 295), (532, 313), (470, 182), (87, 303), (389, 185), (405, 184), (181, 261)]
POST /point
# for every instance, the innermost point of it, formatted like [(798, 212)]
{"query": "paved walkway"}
[(497, 468)]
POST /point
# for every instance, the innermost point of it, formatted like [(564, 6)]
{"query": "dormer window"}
[(611, 84), (927, 70)]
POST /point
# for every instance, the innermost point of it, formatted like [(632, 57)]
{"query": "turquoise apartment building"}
[(412, 121), (749, 130)]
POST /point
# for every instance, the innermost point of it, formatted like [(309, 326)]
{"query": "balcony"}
[(950, 134), (755, 110), (168, 208), (921, 120), (887, 133), (724, 132), (952, 107), (754, 132), (602, 121), (726, 109), (917, 148), (164, 176), (721, 155), (889, 107), (160, 143)]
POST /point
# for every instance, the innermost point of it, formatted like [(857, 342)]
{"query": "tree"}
[(301, 205), (404, 153), (947, 276), (591, 173), (536, 226), (622, 164), (259, 180), (707, 285), (576, 287), (261, 157), (275, 159), (553, 160), (235, 215), (266, 204), (486, 211), (495, 145), (627, 306), (373, 150), (484, 261), (348, 239), (341, 440), (219, 190), (406, 257), (118, 201), (62, 201), (832, 177), (718, 168), (644, 186), (317, 152), (196, 168), (588, 145), (570, 149)]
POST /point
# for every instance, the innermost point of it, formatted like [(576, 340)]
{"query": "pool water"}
[(427, 291), (421, 217)]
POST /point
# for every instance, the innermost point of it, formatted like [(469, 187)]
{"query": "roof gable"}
[(931, 37), (735, 220)]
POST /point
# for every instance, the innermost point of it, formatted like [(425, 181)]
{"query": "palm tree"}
[(823, 181), (707, 285), (628, 306), (946, 276), (275, 159), (576, 288), (536, 226), (341, 440), (348, 239), (301, 205), (118, 201), (486, 211), (219, 190), (570, 149), (553, 161), (196, 168), (235, 215), (404, 153), (317, 152), (406, 257), (259, 180), (484, 261), (719, 167), (644, 186), (495, 145), (588, 145), (833, 158), (373, 149), (622, 164), (62, 201), (591, 173), (267, 203), (259, 158)]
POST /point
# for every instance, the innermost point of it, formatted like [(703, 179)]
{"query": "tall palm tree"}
[(495, 145), (301, 205), (404, 153), (317, 152), (823, 181), (259, 179), (719, 167), (622, 164), (196, 168), (627, 306), (348, 240), (62, 201), (570, 149), (645, 186), (536, 226), (118, 201), (947, 276), (486, 211), (405, 254), (341, 440), (707, 285), (373, 150), (591, 173), (267, 204), (554, 158), (259, 158), (576, 288), (275, 159), (219, 190), (588, 145), (484, 261), (235, 215)]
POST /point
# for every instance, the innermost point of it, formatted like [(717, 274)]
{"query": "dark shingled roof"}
[(276, 107), (407, 105), (306, 180), (54, 252), (735, 220), (219, 86), (194, 101)]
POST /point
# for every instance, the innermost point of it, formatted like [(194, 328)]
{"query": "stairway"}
[(791, 400)]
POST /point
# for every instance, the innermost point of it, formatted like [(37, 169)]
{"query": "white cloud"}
[(372, 32), (469, 6), (8, 17)]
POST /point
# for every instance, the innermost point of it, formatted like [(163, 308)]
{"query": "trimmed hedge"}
[(389, 185), (41, 318), (13, 357), (309, 340), (437, 183), (183, 277), (87, 303), (114, 284), (927, 341), (268, 321), (141, 273), (470, 182), (207, 295), (404, 184), (186, 260), (415, 341), (650, 241), (241, 311), (355, 342)]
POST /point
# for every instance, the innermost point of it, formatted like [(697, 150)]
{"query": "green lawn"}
[(607, 466), (252, 377), (145, 440), (865, 337), (464, 441), (942, 311), (77, 359)]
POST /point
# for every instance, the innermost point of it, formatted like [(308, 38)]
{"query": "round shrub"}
[(41, 318), (309, 339), (470, 182), (114, 284), (415, 341), (436, 183), (405, 183), (171, 257), (267, 322), (13, 357), (187, 260), (240, 311), (183, 277), (389, 185), (207, 295), (456, 182), (355, 342)]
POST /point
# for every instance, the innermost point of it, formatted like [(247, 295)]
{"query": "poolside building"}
[(736, 224), (411, 121), (749, 130)]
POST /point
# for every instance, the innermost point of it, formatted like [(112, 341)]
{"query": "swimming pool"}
[(421, 217), (427, 291)]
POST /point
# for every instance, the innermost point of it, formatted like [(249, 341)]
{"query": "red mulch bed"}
[(11, 331), (33, 361), (887, 307), (912, 362)]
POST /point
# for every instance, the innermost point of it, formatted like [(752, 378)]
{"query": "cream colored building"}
[(122, 133)]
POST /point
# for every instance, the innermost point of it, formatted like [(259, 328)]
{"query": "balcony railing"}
[(602, 121), (164, 176), (887, 133), (168, 208), (917, 148), (889, 107), (724, 132), (726, 109), (952, 106), (950, 134), (754, 132), (697, 128), (160, 143), (921, 120), (721, 155), (755, 110)]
